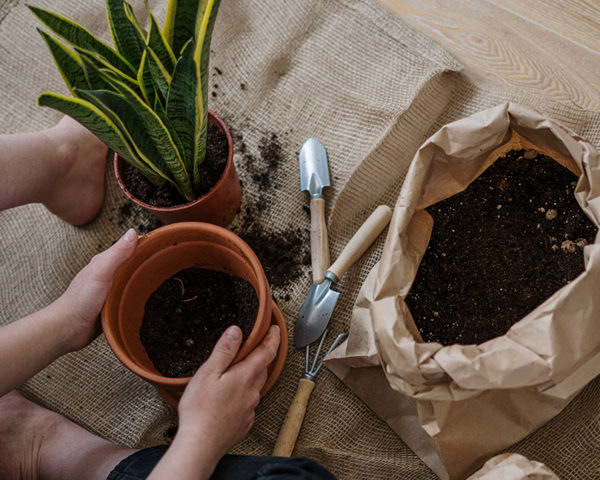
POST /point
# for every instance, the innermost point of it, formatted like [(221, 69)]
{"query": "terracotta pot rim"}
[(176, 208), (263, 293)]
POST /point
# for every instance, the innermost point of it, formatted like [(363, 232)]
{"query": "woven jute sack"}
[(457, 405)]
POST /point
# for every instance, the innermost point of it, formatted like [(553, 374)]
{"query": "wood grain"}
[(549, 47)]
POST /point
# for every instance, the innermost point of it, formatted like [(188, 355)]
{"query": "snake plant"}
[(146, 97)]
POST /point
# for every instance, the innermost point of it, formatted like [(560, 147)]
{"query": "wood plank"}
[(576, 21), (518, 43)]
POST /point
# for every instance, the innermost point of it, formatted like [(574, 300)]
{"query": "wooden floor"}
[(547, 46)]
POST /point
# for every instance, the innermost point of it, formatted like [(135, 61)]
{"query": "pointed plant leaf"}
[(180, 22), (159, 45), (144, 78), (182, 105), (94, 77), (115, 107), (68, 63), (160, 76), (205, 22), (126, 35), (152, 137), (162, 114), (107, 72), (80, 37), (95, 121)]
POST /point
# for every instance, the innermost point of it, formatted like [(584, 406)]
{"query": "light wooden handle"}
[(319, 247), (361, 240), (293, 420)]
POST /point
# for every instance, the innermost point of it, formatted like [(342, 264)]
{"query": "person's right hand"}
[(218, 404)]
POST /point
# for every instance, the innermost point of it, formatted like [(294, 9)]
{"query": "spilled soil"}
[(283, 252), (499, 249)]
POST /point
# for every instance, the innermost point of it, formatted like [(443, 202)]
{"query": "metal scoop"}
[(321, 299), (314, 176)]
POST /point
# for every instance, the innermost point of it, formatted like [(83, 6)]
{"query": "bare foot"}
[(36, 443), (78, 196)]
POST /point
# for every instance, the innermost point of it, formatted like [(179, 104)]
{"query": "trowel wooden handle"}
[(293, 420), (361, 240), (319, 247)]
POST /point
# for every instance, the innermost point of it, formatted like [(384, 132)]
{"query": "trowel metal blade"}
[(314, 170), (315, 313)]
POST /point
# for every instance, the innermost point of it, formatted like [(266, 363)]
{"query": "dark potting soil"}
[(186, 315), (211, 171), (284, 252), (499, 249)]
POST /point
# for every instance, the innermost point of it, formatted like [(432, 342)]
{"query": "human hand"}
[(82, 301), (217, 407)]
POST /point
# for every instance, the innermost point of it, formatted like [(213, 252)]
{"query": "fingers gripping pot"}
[(159, 255), (458, 405)]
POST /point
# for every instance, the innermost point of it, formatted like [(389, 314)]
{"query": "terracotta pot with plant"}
[(162, 257), (146, 99)]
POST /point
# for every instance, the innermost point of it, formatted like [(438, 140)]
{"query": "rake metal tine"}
[(318, 352), (307, 359), (339, 339)]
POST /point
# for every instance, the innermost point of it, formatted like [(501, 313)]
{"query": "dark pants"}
[(231, 467)]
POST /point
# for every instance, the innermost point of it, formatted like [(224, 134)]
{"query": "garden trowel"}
[(321, 299), (314, 176)]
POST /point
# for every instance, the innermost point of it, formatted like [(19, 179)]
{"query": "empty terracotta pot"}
[(159, 255), (218, 206)]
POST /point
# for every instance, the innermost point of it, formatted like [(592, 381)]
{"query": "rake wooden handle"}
[(284, 446), (361, 240), (319, 247)]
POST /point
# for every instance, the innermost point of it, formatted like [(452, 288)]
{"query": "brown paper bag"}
[(456, 406), (512, 466)]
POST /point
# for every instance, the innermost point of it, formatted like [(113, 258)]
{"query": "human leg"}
[(36, 443), (242, 467), (231, 467), (61, 167)]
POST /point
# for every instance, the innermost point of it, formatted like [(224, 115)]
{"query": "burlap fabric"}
[(372, 89)]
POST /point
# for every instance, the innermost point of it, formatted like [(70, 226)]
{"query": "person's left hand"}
[(82, 301)]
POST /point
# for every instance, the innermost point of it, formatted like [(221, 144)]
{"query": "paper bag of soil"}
[(458, 405)]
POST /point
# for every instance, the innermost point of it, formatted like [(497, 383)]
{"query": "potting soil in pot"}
[(498, 249), (186, 315), (211, 170)]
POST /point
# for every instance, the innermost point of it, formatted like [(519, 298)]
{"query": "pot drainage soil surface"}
[(187, 314), (211, 170), (498, 249)]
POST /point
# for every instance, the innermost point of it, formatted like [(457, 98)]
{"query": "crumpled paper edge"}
[(512, 466)]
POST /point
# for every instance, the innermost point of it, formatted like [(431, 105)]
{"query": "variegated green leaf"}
[(144, 78), (180, 22), (94, 76), (106, 70), (160, 76), (68, 63), (152, 137), (126, 35), (183, 104), (131, 15), (115, 107), (96, 122), (80, 37), (159, 45), (205, 22)]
